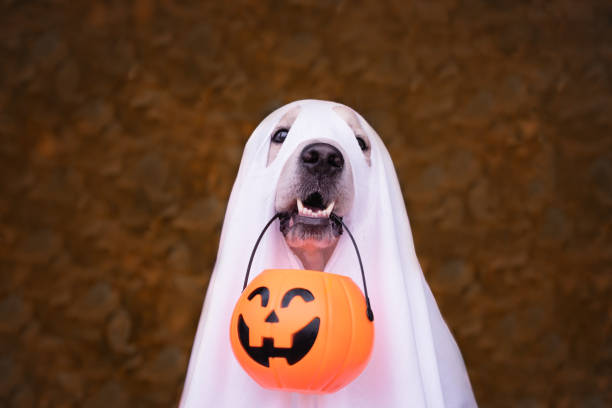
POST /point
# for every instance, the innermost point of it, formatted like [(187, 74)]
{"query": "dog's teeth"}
[(329, 208), (307, 212)]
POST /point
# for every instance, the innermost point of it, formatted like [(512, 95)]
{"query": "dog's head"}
[(316, 180)]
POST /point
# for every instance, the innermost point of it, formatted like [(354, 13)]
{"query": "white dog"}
[(305, 161)]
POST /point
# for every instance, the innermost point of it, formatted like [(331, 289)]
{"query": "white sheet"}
[(415, 361)]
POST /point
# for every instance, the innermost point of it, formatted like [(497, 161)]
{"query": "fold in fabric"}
[(415, 361)]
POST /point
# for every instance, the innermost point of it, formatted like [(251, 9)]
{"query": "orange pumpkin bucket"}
[(302, 330)]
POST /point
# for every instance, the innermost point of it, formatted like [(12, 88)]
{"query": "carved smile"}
[(303, 341)]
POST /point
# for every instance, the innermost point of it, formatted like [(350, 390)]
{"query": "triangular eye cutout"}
[(272, 318)]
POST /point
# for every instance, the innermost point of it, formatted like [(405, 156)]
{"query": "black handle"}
[(365, 287), (336, 218), (246, 277)]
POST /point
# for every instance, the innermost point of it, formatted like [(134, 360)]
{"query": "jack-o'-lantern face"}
[(302, 339), (303, 331)]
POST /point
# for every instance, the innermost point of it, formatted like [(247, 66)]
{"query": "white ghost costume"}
[(415, 361)]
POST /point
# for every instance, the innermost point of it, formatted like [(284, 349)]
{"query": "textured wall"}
[(121, 129)]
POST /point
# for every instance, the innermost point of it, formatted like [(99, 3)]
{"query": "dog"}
[(320, 168)]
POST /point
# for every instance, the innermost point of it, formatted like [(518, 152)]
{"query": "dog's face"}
[(316, 180)]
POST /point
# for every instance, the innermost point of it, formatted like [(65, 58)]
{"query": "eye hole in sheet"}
[(284, 123)]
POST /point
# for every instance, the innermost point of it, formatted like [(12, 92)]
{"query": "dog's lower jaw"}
[(311, 239), (313, 257)]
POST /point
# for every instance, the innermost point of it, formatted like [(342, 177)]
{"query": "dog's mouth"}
[(309, 222), (313, 207)]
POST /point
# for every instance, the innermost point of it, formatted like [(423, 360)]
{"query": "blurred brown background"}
[(122, 126)]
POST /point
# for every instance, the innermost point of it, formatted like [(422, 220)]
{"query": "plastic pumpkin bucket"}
[(302, 330)]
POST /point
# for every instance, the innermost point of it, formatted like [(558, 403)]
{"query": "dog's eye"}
[(362, 144), (280, 135)]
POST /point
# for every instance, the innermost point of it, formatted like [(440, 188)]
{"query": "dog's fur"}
[(314, 244)]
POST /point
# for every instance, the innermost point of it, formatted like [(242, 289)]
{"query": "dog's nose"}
[(322, 159)]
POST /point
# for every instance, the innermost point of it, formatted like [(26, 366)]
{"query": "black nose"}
[(322, 159)]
